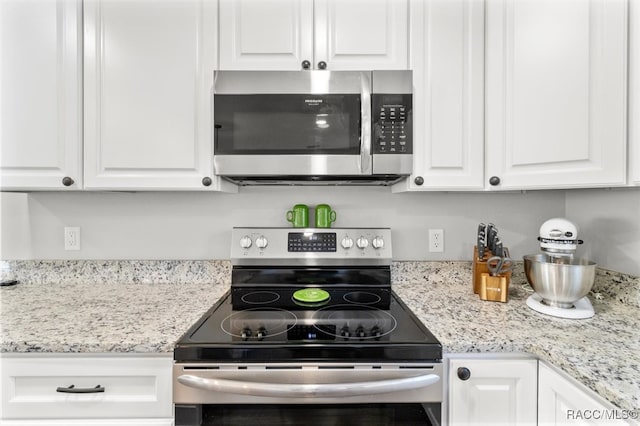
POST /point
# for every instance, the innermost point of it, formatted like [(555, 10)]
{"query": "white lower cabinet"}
[(492, 391), (39, 390), (562, 401)]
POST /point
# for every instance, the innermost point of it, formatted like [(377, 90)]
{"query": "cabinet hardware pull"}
[(419, 180), (206, 181), (306, 65), (494, 181), (464, 373), (322, 65), (67, 181), (74, 389)]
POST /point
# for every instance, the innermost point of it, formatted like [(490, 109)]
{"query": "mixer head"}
[(559, 236)]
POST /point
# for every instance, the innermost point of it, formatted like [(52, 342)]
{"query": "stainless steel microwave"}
[(313, 126)]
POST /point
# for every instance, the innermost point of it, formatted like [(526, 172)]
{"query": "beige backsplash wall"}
[(609, 221), (192, 225), (175, 225)]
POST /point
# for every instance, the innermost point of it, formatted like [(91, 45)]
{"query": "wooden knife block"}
[(491, 284), (479, 267), (495, 288)]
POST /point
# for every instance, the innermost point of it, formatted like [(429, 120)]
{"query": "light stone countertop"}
[(99, 307), (603, 352)]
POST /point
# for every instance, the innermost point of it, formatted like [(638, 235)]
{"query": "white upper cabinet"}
[(556, 73), (447, 58), (41, 94), (148, 94), (331, 34), (265, 34), (634, 92)]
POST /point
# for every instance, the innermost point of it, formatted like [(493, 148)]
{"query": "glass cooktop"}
[(349, 330)]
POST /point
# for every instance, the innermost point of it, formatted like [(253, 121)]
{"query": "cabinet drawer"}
[(133, 387)]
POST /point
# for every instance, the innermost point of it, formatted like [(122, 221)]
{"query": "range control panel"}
[(311, 246), (392, 124)]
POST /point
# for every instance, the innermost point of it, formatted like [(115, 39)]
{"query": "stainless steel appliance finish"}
[(310, 333), (559, 280), (313, 127), (301, 383)]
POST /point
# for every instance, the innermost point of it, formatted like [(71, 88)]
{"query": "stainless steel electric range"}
[(310, 333)]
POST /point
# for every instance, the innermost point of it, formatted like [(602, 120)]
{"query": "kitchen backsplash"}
[(622, 288)]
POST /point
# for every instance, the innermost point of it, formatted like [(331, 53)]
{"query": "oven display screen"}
[(312, 242)]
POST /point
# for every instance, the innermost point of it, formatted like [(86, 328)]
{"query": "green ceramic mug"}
[(324, 216), (299, 216)]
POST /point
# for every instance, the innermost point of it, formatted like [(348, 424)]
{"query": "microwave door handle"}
[(307, 390), (365, 130)]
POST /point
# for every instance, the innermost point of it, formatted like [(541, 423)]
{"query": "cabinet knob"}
[(419, 180), (306, 65), (322, 65), (464, 373), (206, 181), (67, 181), (494, 181)]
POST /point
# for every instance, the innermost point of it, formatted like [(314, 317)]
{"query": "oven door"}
[(292, 123), (308, 394)]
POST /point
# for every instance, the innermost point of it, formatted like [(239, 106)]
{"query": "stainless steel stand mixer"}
[(560, 280)]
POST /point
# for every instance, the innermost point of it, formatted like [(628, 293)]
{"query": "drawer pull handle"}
[(74, 389)]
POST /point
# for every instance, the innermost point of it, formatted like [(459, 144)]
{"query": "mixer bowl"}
[(559, 280)]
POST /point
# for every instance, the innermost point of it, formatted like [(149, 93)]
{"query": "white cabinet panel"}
[(563, 402), (556, 93), (40, 93), (447, 58), (344, 34), (497, 391), (89, 422), (265, 34), (148, 94), (133, 387), (634, 92), (362, 34)]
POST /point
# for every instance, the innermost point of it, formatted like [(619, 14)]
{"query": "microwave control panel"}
[(392, 123)]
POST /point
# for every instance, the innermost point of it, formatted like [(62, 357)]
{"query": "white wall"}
[(197, 225), (609, 222)]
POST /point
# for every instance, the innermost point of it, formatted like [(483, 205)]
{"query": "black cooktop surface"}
[(337, 333)]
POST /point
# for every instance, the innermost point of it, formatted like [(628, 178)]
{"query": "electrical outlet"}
[(72, 238), (436, 240)]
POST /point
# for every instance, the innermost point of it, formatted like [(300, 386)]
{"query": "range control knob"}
[(262, 333), (347, 242), (344, 332), (360, 332), (246, 333), (362, 243), (245, 242), (376, 332), (377, 243), (261, 242)]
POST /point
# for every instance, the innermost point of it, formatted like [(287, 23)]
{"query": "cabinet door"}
[(40, 95), (362, 34), (561, 401), (495, 392), (556, 93), (148, 94), (447, 58), (634, 92), (265, 34)]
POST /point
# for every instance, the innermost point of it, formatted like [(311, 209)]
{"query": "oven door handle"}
[(308, 390)]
